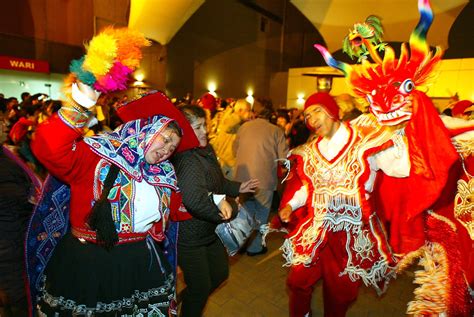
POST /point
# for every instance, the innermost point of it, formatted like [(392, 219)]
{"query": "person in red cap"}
[(334, 234), (209, 102), (463, 109)]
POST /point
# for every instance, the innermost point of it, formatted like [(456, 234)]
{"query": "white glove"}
[(84, 95)]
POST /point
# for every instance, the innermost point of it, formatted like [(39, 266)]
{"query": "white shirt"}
[(146, 203), (393, 161), (330, 147)]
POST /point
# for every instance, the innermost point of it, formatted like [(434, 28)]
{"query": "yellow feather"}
[(100, 55)]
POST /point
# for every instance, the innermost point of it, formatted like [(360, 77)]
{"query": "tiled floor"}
[(256, 287)]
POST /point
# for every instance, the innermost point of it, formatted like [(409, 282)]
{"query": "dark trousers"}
[(12, 270), (204, 268)]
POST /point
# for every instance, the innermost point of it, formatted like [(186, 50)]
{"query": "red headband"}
[(324, 100)]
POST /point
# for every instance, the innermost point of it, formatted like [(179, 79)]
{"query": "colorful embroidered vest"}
[(121, 198)]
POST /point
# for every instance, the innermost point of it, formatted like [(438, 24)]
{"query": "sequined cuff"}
[(74, 115)]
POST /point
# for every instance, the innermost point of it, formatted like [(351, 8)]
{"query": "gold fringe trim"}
[(431, 296)]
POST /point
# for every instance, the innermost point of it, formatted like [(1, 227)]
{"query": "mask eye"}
[(407, 86)]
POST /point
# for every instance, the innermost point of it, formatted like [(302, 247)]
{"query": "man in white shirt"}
[(334, 234)]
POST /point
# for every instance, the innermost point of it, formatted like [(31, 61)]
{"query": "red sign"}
[(23, 64)]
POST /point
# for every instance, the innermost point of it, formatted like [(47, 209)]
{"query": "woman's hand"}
[(226, 210), (249, 186), (285, 213)]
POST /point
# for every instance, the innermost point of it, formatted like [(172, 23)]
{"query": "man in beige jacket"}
[(226, 133)]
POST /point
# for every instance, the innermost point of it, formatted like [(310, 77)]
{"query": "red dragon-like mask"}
[(388, 83)]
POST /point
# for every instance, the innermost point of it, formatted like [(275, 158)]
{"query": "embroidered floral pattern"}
[(155, 169), (128, 155), (133, 143)]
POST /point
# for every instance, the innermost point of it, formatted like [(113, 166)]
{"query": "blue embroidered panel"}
[(48, 224), (170, 245)]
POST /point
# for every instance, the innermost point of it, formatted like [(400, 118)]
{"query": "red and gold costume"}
[(419, 208), (335, 234)]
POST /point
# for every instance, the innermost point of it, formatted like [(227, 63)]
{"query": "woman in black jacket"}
[(201, 255), (16, 190)]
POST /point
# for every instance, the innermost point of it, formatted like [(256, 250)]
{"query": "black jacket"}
[(15, 209), (199, 176)]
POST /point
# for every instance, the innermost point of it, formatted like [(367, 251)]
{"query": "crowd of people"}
[(234, 151), (236, 142), (18, 120)]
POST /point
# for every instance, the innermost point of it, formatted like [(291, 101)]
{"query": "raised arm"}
[(58, 145)]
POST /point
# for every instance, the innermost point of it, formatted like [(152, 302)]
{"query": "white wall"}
[(13, 83)]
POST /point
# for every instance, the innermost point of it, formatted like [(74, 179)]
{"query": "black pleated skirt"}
[(84, 279)]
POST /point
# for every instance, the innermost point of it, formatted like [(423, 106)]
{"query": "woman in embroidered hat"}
[(122, 192)]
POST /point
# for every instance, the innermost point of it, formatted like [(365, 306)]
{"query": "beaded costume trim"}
[(116, 306), (73, 115)]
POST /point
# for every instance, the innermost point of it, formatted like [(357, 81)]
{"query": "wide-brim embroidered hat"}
[(157, 103)]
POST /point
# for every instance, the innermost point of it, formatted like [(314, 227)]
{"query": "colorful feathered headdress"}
[(111, 57), (388, 82)]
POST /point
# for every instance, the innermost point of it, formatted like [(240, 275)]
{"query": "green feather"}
[(84, 76), (364, 31), (376, 25), (380, 47), (346, 47)]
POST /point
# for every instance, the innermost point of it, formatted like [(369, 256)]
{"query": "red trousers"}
[(338, 291)]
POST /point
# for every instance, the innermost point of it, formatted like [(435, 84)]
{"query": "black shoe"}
[(263, 251)]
